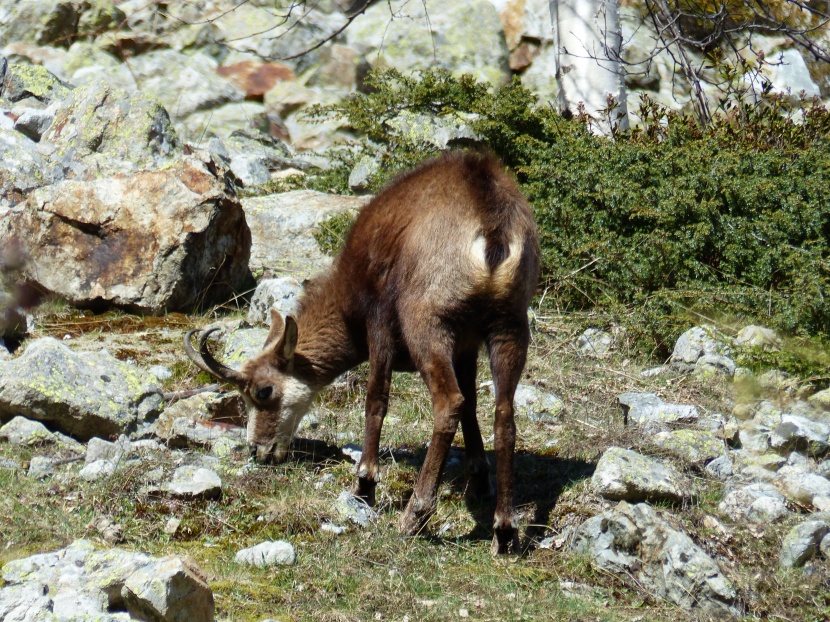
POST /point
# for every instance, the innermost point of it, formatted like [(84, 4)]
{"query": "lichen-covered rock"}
[(627, 475), (695, 446), (349, 507), (697, 342), (756, 503), (805, 488), (801, 434), (23, 81), (242, 344), (282, 230), (759, 337), (167, 239), (595, 342), (83, 583), (84, 394), (635, 541), (533, 403), (22, 431), (22, 169)]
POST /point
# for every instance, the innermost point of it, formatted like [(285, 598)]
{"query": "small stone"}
[(820, 400), (97, 470), (172, 525), (111, 531), (801, 486), (192, 482), (41, 466), (759, 337), (695, 446), (697, 342), (757, 503), (281, 294), (22, 431), (161, 372), (356, 510), (743, 411), (170, 589), (625, 474), (710, 364), (337, 530), (720, 467), (595, 343), (647, 407), (276, 553), (352, 452)]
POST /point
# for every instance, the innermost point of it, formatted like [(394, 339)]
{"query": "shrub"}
[(667, 221)]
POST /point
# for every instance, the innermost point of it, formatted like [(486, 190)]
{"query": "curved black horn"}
[(204, 360)]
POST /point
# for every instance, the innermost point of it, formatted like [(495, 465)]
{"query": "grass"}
[(374, 573)]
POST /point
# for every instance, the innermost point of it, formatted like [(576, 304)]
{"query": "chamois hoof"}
[(414, 518), (505, 542), (364, 489)]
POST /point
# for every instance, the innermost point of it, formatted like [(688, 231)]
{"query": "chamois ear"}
[(277, 328), (285, 346)]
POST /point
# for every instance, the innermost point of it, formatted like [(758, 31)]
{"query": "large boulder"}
[(169, 239), (283, 226), (82, 583), (84, 394), (635, 541)]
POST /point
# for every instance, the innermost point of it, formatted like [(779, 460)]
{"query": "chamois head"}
[(276, 399)]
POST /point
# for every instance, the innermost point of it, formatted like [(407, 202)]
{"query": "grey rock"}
[(462, 37), (533, 403), (276, 553), (171, 590), (352, 452), (759, 337), (40, 467), (185, 432), (22, 169), (635, 541), (79, 393), (625, 474), (801, 434), (349, 507), (21, 82), (595, 342), (755, 503), (802, 542), (820, 400), (22, 431), (97, 470), (242, 344), (648, 408), (362, 173), (443, 131), (697, 342), (99, 449), (193, 482), (805, 488), (161, 372), (223, 122), (695, 446), (282, 228), (33, 123), (715, 364), (281, 294), (721, 467)]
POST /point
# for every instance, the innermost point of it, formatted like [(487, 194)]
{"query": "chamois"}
[(442, 261)]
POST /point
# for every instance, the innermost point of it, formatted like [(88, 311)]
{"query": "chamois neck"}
[(325, 347)]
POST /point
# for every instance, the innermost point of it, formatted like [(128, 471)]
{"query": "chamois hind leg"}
[(377, 403), (476, 466), (447, 402), (508, 351)]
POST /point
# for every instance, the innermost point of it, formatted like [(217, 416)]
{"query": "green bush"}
[(663, 224)]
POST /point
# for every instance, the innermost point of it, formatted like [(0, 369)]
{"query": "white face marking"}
[(295, 401)]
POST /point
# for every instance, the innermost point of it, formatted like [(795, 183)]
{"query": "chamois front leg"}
[(377, 403), (447, 402)]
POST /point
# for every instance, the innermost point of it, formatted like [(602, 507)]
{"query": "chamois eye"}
[(264, 393)]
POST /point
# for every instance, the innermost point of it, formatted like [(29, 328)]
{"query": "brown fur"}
[(442, 261)]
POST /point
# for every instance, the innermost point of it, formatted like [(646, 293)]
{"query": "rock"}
[(801, 434), (462, 37), (363, 172), (802, 542), (194, 482), (595, 342), (697, 342), (242, 344), (22, 431), (254, 156), (80, 393), (99, 449), (709, 364), (349, 507), (282, 229), (219, 124), (803, 487), (33, 123), (168, 239), (720, 467), (695, 446), (759, 337), (169, 590), (277, 553), (352, 452), (627, 475), (113, 533), (185, 432), (31, 81), (820, 400), (533, 403), (443, 131), (40, 467), (644, 408), (101, 130), (756, 503), (776, 380), (94, 471), (281, 294), (22, 169), (635, 541)]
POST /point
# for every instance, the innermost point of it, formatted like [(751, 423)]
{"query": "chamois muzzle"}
[(205, 361)]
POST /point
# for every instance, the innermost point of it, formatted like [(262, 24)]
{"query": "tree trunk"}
[(588, 40)]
